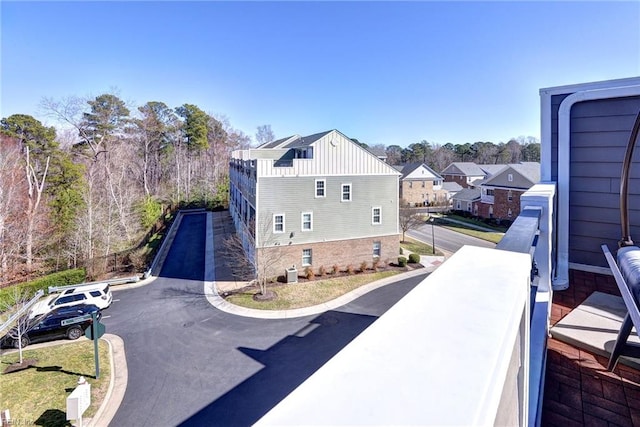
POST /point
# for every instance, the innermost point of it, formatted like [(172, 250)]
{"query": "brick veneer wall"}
[(414, 194), (501, 205), (461, 180), (328, 254)]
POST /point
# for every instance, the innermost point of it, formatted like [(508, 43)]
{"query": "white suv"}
[(98, 295)]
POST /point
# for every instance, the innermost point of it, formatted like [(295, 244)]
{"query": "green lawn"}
[(494, 237), (37, 395), (305, 294), (417, 247)]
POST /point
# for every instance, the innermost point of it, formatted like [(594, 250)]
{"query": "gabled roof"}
[(451, 187), (463, 168), (525, 176), (468, 194), (305, 141), (277, 143), (491, 169), (378, 152), (409, 168)]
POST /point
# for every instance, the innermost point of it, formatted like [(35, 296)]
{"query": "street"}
[(446, 240)]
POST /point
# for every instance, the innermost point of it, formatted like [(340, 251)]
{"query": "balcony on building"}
[(478, 341)]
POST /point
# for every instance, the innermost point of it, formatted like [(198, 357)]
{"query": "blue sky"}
[(381, 72)]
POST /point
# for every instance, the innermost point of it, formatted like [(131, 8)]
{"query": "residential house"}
[(466, 200), (314, 201), (463, 173), (585, 129), (451, 189), (420, 185), (500, 194)]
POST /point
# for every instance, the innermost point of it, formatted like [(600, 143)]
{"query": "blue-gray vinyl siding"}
[(600, 131), (333, 219)]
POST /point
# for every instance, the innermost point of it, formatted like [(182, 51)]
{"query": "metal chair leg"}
[(621, 341)]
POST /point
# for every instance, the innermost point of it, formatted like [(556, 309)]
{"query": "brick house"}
[(463, 173), (314, 201), (500, 194), (420, 185)]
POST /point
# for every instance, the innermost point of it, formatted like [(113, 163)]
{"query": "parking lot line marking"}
[(208, 318), (115, 300), (106, 317)]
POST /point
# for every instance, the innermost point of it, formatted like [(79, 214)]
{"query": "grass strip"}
[(494, 237), (418, 247), (306, 294), (38, 395)]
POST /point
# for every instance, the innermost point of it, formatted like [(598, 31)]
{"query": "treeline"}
[(96, 184), (438, 157), (95, 187)]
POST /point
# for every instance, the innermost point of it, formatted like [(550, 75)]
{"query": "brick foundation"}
[(328, 254)]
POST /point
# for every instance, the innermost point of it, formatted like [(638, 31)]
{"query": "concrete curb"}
[(220, 303), (117, 384)]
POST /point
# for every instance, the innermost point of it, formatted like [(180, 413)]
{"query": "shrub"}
[(414, 258), (308, 273), (322, 270), (61, 278), (350, 269), (375, 264), (401, 250), (363, 266), (149, 210), (402, 261), (336, 269)]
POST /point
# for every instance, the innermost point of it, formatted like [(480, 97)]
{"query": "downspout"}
[(561, 280)]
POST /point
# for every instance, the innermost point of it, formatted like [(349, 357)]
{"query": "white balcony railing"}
[(462, 348)]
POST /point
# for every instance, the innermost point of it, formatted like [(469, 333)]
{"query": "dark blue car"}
[(64, 322)]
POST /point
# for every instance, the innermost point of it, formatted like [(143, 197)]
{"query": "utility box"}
[(292, 275)]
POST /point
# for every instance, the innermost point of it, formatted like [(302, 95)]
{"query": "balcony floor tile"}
[(578, 388)]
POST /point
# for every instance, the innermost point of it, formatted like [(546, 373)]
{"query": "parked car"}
[(98, 295), (49, 326)]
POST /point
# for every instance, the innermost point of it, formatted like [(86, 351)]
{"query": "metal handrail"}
[(116, 281), (624, 185)]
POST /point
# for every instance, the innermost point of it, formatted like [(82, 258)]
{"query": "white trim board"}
[(583, 92)]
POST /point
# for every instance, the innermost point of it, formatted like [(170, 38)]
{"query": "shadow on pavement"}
[(287, 364)]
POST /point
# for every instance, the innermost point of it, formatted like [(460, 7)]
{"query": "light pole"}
[(433, 236)]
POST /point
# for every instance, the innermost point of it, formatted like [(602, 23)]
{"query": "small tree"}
[(16, 301), (257, 260), (408, 218)]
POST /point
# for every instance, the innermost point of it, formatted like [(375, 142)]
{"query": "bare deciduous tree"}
[(16, 301), (408, 218), (259, 260), (10, 187), (264, 134)]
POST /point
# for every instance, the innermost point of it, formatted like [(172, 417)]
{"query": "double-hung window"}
[(306, 257), (278, 223), (346, 193), (321, 188), (307, 221), (376, 215)]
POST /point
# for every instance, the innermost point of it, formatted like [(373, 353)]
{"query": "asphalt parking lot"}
[(191, 364)]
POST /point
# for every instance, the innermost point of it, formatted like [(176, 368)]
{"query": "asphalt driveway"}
[(193, 365)]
